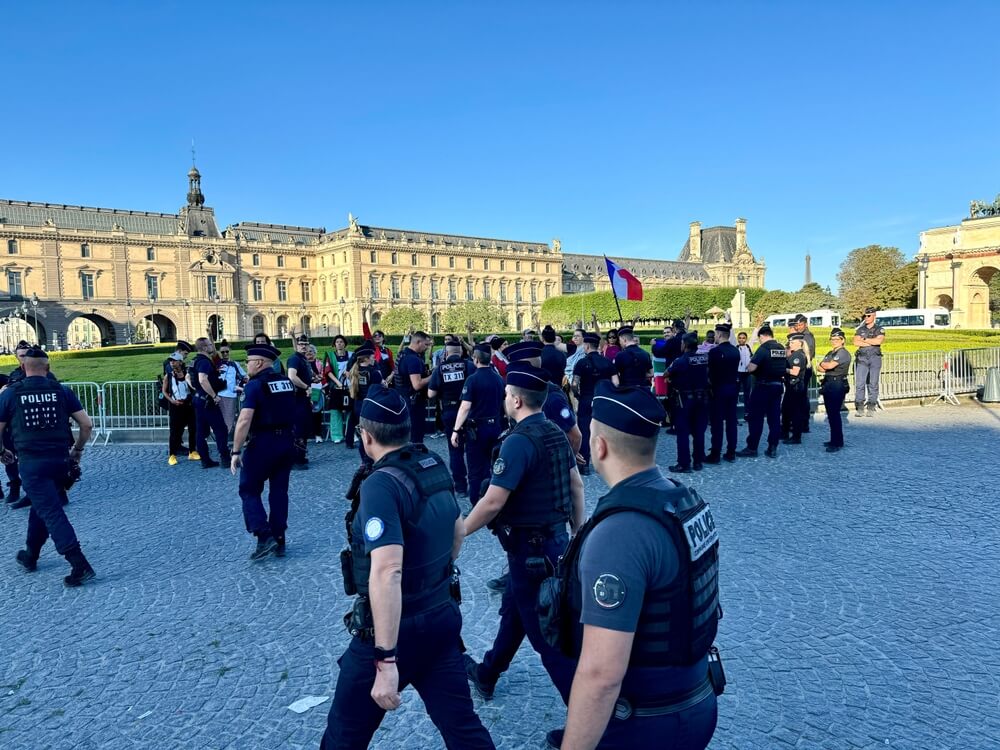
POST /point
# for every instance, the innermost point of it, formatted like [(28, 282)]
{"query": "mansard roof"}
[(718, 245), (385, 234), (281, 233), (32, 214), (586, 265)]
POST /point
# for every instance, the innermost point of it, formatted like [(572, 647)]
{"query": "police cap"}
[(35, 352), (592, 338), (523, 350), (366, 348), (725, 327), (496, 342), (625, 331), (527, 376), (870, 310), (22, 344), (836, 333), (384, 405), (484, 348), (800, 318), (690, 338), (634, 411), (263, 350), (183, 346), (797, 337)]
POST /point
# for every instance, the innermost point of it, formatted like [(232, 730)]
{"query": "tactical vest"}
[(427, 481), (772, 369), (275, 413), (678, 623), (41, 418), (544, 499), (596, 367), (453, 376), (364, 383), (217, 383), (634, 368)]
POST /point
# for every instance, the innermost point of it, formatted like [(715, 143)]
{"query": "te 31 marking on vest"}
[(701, 533), (280, 386)]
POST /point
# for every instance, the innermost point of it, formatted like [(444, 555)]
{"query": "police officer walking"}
[(39, 410), (448, 381), (868, 363), (203, 377), (302, 375), (768, 366), (587, 373), (480, 419), (534, 492), (724, 377), (14, 498), (835, 366), (404, 531), (639, 619), (411, 381), (795, 407), (264, 432), (689, 387), (634, 365)]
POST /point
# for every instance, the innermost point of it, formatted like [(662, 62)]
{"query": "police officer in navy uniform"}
[(14, 498), (633, 363), (795, 406), (768, 366), (203, 377), (404, 532), (835, 366), (364, 373), (534, 492), (480, 418), (264, 433), (639, 618), (587, 373), (302, 375), (448, 382), (556, 408), (724, 377), (39, 411), (868, 338), (689, 385), (674, 346)]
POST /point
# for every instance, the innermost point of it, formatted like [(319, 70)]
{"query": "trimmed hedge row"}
[(656, 305)]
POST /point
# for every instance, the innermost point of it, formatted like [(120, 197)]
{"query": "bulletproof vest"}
[(544, 499), (278, 405), (595, 367), (427, 481), (724, 365), (41, 417), (454, 371), (796, 382), (773, 367), (364, 381), (634, 368), (677, 623)]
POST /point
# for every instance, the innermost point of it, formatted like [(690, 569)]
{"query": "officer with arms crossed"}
[(768, 366), (724, 377), (868, 363), (535, 490), (689, 385), (795, 406), (448, 381), (38, 409), (264, 432), (480, 418), (404, 531), (639, 618), (302, 375), (835, 387), (589, 370)]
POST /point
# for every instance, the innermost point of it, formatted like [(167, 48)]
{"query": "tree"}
[(995, 297), (877, 276), (402, 320), (484, 316), (811, 297), (770, 303)]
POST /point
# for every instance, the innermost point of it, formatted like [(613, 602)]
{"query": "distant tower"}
[(809, 275)]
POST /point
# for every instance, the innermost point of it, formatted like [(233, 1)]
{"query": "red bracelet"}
[(386, 660)]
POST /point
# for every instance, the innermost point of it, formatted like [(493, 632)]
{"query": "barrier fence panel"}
[(969, 366), (91, 398), (910, 375), (132, 405)]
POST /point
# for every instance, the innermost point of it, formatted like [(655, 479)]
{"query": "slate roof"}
[(29, 213), (279, 233), (585, 265), (455, 240), (718, 245)]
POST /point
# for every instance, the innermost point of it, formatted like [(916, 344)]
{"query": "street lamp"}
[(342, 326), (218, 321), (152, 318), (740, 279), (923, 262), (128, 323), (34, 316)]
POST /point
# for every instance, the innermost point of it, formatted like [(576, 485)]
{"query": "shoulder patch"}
[(565, 413), (609, 591), (499, 466), (428, 462), (374, 529), (701, 533)]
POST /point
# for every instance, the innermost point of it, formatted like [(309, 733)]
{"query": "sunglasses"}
[(224, 351)]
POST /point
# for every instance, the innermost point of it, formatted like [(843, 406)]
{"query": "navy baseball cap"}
[(634, 411), (523, 350), (527, 376), (35, 352), (484, 348), (592, 338), (384, 405), (263, 350)]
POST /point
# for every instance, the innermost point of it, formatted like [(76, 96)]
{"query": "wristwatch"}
[(382, 654)]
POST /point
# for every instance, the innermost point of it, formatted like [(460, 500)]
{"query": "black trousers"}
[(765, 402), (181, 417), (834, 392), (723, 417)]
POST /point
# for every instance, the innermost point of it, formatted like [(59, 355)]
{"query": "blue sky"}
[(608, 125)]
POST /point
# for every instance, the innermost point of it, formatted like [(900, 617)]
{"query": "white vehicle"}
[(924, 317), (817, 318)]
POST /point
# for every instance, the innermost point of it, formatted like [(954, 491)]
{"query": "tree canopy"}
[(484, 316), (402, 320), (878, 276)]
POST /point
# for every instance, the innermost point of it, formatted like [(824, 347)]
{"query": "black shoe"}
[(265, 546), (24, 502), (827, 444), (553, 739), (712, 458), (678, 469), (13, 493), (698, 467), (730, 457), (747, 453), (484, 689), (792, 441), (300, 466), (833, 448), (208, 463), (81, 571), (671, 431), (279, 546), (772, 451), (27, 561), (498, 584)]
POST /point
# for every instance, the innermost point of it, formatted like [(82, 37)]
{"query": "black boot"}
[(14, 492), (27, 560), (266, 544), (208, 463), (712, 458), (81, 571), (24, 502), (279, 549)]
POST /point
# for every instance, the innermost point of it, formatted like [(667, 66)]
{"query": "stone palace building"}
[(98, 276)]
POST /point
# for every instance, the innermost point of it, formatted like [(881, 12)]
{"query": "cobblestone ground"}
[(860, 592)]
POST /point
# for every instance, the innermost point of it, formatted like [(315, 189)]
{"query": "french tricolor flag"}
[(624, 284)]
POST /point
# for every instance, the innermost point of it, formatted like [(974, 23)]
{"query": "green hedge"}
[(656, 305)]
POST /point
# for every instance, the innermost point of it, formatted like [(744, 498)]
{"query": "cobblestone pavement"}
[(860, 593)]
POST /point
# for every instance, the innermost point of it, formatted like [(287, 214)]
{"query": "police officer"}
[(553, 359), (556, 408), (534, 492), (795, 407), (14, 498), (203, 377), (264, 432), (768, 366), (800, 325), (638, 618), (411, 381), (480, 418), (39, 410), (363, 374), (634, 365), (447, 382), (302, 375), (587, 373), (868, 363), (404, 531), (674, 346), (835, 387), (724, 377), (689, 384)]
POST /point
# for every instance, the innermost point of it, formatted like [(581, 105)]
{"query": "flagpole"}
[(621, 320)]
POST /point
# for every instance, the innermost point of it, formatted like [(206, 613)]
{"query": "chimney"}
[(694, 241), (741, 233)]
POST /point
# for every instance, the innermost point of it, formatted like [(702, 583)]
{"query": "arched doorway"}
[(153, 329), (979, 315), (305, 325), (216, 327), (91, 331), (281, 330), (376, 319), (945, 301), (520, 321), (325, 324), (257, 324), (436, 323), (347, 330), (15, 329), (335, 324)]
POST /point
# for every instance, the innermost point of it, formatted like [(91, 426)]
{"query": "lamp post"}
[(923, 263), (130, 311), (218, 321), (740, 279), (152, 318), (342, 326), (34, 316)]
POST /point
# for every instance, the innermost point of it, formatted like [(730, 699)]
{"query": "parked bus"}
[(924, 317), (815, 318)]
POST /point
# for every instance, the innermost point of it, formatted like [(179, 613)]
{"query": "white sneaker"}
[(319, 439)]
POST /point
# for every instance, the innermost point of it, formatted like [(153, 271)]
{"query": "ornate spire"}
[(195, 197)]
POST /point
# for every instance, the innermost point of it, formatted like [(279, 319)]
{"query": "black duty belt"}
[(488, 420), (835, 378), (626, 708), (769, 382), (546, 531)]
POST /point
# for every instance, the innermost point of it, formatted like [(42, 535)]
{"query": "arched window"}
[(257, 324)]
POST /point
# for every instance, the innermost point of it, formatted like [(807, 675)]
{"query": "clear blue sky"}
[(610, 126)]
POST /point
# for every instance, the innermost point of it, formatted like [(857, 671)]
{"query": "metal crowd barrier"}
[(910, 375), (131, 405), (91, 397), (968, 368)]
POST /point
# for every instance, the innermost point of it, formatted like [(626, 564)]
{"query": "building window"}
[(373, 287), (518, 296), (322, 290), (434, 289), (281, 261), (503, 291), (469, 288), (532, 266), (322, 261), (152, 288), (394, 285), (85, 250), (413, 259), (14, 283), (150, 253), (373, 256), (534, 292), (468, 263), (304, 262), (86, 285), (517, 266), (12, 247), (212, 283), (255, 259), (282, 290), (257, 286), (486, 288), (546, 268), (257, 324), (335, 287), (395, 258), (306, 293), (434, 261), (451, 262), (452, 290), (503, 264), (486, 264), (414, 288)]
